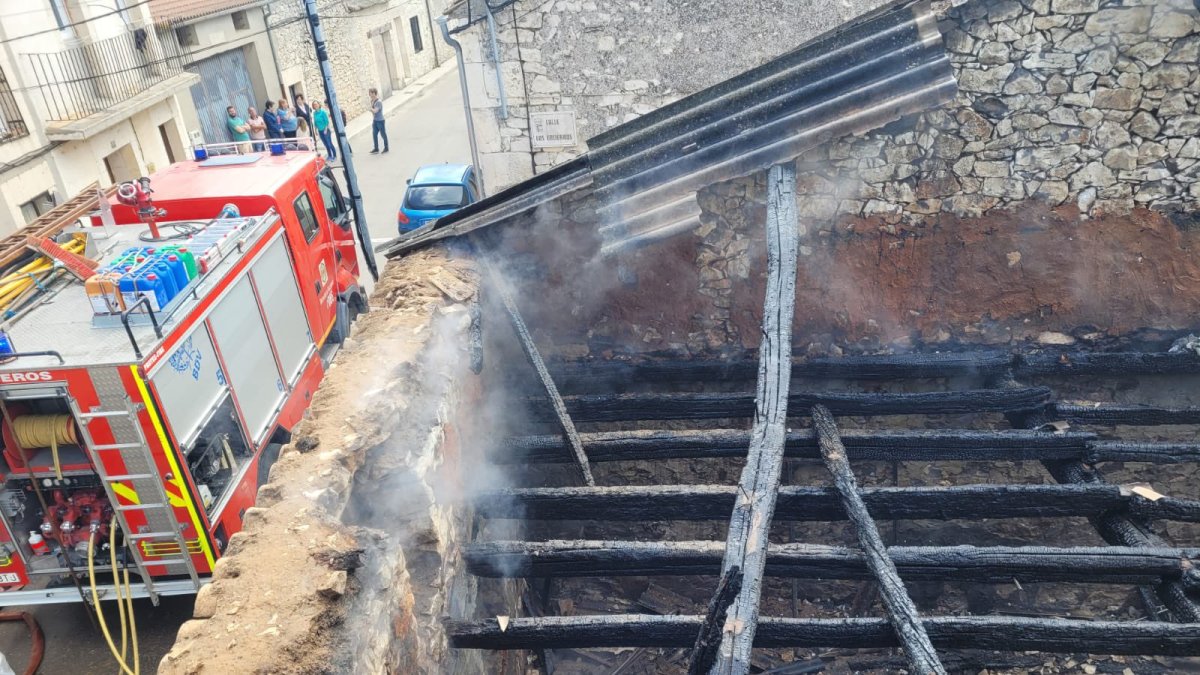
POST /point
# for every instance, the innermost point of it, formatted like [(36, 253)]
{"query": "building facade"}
[(87, 94), (384, 44)]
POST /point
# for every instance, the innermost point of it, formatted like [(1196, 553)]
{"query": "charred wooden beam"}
[(1121, 529), (694, 406), (860, 445), (993, 564), (750, 517), (1115, 413), (704, 653), (593, 374), (947, 632), (1140, 451), (1107, 363), (901, 610), (561, 415), (713, 502)]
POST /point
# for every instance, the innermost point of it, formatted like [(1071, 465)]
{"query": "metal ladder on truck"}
[(130, 443)]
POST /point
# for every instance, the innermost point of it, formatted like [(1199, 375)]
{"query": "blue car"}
[(434, 191)]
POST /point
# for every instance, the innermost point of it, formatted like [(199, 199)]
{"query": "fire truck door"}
[(315, 260)]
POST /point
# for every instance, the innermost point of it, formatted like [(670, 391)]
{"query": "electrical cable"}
[(81, 22), (183, 230)]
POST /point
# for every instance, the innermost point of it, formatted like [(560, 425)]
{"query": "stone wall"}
[(610, 62), (354, 30), (350, 558)]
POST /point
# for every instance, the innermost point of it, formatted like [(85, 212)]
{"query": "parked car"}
[(434, 191)]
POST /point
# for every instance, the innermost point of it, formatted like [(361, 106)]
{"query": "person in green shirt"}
[(321, 122), (237, 127)]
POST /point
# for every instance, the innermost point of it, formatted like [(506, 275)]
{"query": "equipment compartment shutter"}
[(190, 383), (224, 81), (242, 340), (276, 281)]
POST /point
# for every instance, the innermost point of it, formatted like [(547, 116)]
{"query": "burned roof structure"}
[(1057, 409)]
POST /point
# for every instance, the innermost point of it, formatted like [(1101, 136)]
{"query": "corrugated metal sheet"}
[(645, 174)]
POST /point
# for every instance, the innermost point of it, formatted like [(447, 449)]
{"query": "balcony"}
[(12, 125), (88, 88)]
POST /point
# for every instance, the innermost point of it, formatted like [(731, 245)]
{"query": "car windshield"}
[(435, 197)]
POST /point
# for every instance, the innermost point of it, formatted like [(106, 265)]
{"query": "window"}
[(60, 16), (187, 36), (335, 206), (435, 197), (12, 125), (37, 206), (306, 216), (415, 25), (240, 20)]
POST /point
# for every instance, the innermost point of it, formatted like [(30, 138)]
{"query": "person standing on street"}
[(274, 130), (377, 122), (237, 128), (304, 112), (324, 128), (258, 128), (287, 119)]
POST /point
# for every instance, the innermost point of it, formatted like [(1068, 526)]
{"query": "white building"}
[(87, 94)]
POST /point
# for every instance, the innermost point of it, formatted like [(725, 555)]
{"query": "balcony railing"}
[(90, 78), (12, 125)]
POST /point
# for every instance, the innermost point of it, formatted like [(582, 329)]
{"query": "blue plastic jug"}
[(150, 286), (163, 271), (178, 270)]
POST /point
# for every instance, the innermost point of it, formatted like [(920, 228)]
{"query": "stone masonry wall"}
[(1059, 100), (610, 62), (351, 29)]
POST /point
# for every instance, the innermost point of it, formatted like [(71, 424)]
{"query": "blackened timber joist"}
[(695, 406), (1115, 413), (713, 502), (990, 564), (920, 445), (1007, 634), (561, 415), (901, 610), (758, 487)]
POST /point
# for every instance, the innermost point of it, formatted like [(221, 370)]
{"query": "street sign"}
[(553, 129)]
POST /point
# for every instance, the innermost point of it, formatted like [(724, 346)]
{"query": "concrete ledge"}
[(77, 130)]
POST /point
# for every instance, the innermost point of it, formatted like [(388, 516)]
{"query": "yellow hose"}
[(45, 431), (112, 557), (99, 614)]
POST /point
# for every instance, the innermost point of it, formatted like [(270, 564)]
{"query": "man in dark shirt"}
[(274, 129)]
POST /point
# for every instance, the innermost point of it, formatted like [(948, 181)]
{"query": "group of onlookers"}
[(280, 121)]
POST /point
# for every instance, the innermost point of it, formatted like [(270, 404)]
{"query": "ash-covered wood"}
[(1120, 529), (989, 564), (1108, 414), (917, 445), (695, 406), (704, 653), (1007, 634), (713, 502), (1108, 363), (901, 611), (750, 518), (561, 415), (1152, 452)]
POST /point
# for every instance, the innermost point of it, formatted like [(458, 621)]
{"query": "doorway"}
[(122, 165)]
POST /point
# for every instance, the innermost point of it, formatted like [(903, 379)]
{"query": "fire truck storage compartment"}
[(224, 382), (73, 492)]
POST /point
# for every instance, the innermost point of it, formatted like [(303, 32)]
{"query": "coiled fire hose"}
[(45, 431), (124, 600)]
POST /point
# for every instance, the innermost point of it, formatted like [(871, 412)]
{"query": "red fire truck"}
[(163, 422)]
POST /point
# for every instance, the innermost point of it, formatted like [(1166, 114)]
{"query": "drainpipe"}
[(466, 96), (491, 22), (266, 15), (437, 58)]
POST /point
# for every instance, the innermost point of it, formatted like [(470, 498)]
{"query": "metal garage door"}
[(224, 81)]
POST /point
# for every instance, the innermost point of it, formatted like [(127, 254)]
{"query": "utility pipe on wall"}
[(491, 22), (466, 96)]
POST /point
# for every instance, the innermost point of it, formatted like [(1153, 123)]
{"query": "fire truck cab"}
[(162, 418)]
